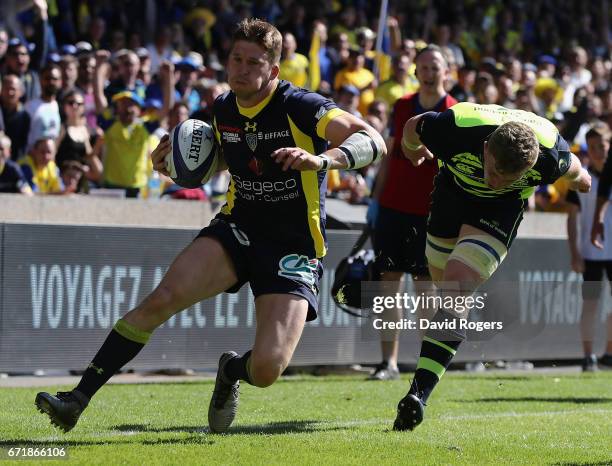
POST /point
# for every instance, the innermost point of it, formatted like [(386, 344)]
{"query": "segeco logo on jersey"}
[(298, 268), (267, 191)]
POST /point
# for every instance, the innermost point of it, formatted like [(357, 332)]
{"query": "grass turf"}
[(471, 419)]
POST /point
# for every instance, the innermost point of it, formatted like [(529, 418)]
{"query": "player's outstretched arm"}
[(412, 147), (355, 145), (579, 178)]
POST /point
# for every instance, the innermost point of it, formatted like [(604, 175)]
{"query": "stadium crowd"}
[(89, 87)]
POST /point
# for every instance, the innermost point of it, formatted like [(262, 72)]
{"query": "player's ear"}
[(275, 71)]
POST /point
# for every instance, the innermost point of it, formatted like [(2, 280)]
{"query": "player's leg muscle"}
[(202, 270), (280, 321), (437, 251)]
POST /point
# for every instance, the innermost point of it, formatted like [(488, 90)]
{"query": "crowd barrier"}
[(62, 287)]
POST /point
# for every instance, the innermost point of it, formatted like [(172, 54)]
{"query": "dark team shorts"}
[(399, 242), (593, 278), (270, 267), (450, 209)]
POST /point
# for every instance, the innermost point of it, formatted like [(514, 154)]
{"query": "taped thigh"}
[(482, 253), (438, 250)]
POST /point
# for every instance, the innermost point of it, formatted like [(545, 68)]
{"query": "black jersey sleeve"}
[(553, 163), (438, 131), (310, 111)]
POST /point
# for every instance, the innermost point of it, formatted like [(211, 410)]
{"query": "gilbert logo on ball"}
[(192, 160)]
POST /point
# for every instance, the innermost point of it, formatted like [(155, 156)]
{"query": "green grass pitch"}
[(558, 419)]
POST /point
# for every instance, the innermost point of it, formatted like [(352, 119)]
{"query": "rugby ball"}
[(193, 155)]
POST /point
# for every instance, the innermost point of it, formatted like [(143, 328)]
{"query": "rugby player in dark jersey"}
[(271, 232), (491, 158)]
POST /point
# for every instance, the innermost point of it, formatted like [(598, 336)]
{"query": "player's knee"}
[(458, 272), (266, 369), (437, 251), (162, 301), (475, 258)]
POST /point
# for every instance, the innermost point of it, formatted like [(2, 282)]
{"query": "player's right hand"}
[(597, 231), (158, 156), (417, 157)]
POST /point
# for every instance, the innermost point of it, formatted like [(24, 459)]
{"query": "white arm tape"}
[(360, 149)]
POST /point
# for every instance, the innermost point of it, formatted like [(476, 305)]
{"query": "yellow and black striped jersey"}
[(457, 138), (262, 199)]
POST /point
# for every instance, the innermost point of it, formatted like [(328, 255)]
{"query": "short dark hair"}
[(598, 130), (261, 33), (514, 147), (431, 48)]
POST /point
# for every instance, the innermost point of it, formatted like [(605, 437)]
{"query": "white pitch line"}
[(368, 422)]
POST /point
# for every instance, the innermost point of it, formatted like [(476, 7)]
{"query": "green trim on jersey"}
[(468, 115)]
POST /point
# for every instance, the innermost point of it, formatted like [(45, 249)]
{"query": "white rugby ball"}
[(193, 157)]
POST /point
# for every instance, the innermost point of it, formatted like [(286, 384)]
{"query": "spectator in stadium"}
[(73, 177), (505, 91), (187, 70), (347, 99), (12, 179), (144, 72), (380, 110), (128, 66), (399, 206), (178, 113), (70, 72), (97, 33), (462, 90), (547, 66), (17, 62), (161, 48), (24, 63), (85, 83), (126, 136), (472, 223), (400, 83), (341, 47), (40, 169), (16, 119), (293, 66), (356, 74), (365, 41), (238, 246), (443, 40), (44, 112), (586, 259), (327, 57), (487, 94), (74, 139)]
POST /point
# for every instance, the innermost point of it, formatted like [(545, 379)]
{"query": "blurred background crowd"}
[(88, 87)]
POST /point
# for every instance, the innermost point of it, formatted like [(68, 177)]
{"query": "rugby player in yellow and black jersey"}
[(491, 158), (271, 232)]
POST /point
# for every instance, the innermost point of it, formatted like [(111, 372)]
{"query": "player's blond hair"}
[(263, 34), (514, 147)]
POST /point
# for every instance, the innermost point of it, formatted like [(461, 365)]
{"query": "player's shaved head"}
[(261, 33)]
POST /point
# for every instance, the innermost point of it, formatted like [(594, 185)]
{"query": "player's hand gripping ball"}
[(193, 155)]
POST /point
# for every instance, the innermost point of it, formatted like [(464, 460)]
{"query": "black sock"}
[(437, 351), (238, 368), (121, 346)]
